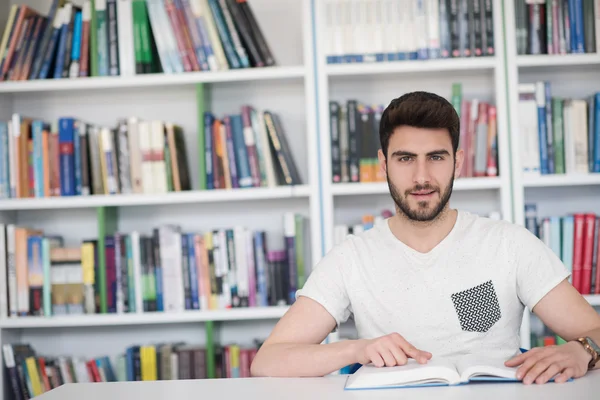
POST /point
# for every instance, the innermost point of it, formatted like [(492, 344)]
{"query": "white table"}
[(330, 388)]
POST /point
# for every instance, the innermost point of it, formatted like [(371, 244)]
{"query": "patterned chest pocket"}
[(477, 308)]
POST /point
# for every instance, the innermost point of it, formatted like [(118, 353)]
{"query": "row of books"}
[(354, 131), (557, 26), (129, 37), (368, 221), (247, 149), (575, 239), (70, 157), (559, 135), (31, 373), (397, 30), (167, 270)]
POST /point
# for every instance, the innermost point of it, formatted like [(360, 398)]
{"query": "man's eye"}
[(405, 158), (436, 158)]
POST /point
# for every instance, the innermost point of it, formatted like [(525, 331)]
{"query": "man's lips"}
[(422, 192)]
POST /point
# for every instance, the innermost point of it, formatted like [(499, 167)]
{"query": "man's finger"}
[(520, 358), (398, 354), (565, 375), (388, 357), (412, 351), (529, 362), (375, 358), (537, 369), (552, 370)]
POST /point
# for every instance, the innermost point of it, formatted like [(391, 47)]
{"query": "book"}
[(436, 372)]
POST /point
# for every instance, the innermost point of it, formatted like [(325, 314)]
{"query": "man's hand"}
[(541, 364), (389, 350)]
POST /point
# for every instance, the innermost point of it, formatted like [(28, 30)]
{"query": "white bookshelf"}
[(184, 197), (286, 89), (379, 83), (289, 73), (571, 75), (157, 318)]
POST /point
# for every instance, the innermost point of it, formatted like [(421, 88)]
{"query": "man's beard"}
[(423, 213)]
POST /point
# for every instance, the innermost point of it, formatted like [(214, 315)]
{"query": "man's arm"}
[(294, 347), (564, 311)]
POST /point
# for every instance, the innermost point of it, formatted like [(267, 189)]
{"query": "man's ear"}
[(382, 162), (458, 163)]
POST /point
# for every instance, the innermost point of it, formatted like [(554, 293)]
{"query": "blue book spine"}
[(596, 133), (208, 50), (579, 38), (54, 40), (224, 35), (244, 174), (129, 365), (549, 130), (60, 55), (130, 276), (262, 295), (193, 270), (233, 169), (37, 128), (209, 120), (4, 163), (543, 145), (591, 103), (76, 48), (568, 227), (67, 159), (531, 218), (77, 156)]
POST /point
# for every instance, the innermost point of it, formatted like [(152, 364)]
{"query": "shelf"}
[(345, 189), (556, 60), (398, 67), (593, 299), (239, 314), (186, 197), (148, 80), (561, 180)]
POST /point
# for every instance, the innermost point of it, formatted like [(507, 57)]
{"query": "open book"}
[(436, 372)]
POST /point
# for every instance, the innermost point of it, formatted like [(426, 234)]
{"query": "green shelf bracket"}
[(210, 349)]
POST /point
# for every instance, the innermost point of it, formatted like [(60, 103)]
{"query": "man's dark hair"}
[(420, 110)]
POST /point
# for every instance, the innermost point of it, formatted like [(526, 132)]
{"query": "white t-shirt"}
[(465, 296)]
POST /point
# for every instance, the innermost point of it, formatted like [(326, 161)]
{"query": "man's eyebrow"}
[(438, 152), (431, 153), (403, 153)]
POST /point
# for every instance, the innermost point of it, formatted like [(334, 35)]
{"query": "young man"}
[(432, 281)]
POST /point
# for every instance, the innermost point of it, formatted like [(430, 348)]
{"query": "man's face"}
[(420, 170)]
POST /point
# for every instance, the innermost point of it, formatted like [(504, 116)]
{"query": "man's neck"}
[(423, 236)]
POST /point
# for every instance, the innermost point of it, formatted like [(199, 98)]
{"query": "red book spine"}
[(84, 49), (174, 18), (588, 252), (579, 221), (596, 290), (251, 146)]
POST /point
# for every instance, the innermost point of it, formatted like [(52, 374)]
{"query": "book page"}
[(413, 373), (482, 367)]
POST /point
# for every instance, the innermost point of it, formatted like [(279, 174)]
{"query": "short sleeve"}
[(539, 269), (326, 285)]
